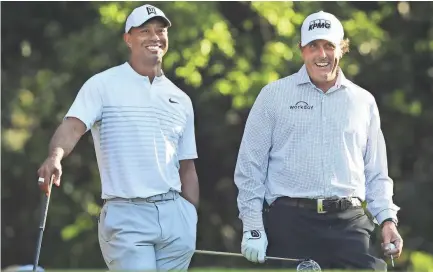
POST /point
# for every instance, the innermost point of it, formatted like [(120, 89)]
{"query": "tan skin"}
[(148, 43), (320, 52)]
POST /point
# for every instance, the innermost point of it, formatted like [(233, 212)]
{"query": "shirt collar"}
[(131, 71), (303, 77)]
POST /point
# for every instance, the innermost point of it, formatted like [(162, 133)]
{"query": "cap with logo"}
[(321, 26), (143, 14)]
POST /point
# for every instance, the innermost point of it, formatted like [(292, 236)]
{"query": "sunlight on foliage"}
[(82, 223), (221, 36), (112, 13), (352, 69), (14, 139), (26, 49), (399, 102), (93, 209), (421, 262), (279, 14), (276, 53), (26, 98), (20, 119)]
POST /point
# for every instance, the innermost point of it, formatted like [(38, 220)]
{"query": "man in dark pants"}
[(335, 239), (313, 150)]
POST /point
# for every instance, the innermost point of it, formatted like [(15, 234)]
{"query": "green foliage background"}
[(221, 54)]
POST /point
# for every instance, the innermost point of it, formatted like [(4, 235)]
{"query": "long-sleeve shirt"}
[(302, 142)]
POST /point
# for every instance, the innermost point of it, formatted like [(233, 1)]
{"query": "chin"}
[(154, 58)]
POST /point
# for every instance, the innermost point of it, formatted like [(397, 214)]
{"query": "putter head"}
[(22, 268), (308, 265)]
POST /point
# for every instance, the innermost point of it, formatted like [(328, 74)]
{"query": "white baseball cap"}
[(143, 14), (321, 26)]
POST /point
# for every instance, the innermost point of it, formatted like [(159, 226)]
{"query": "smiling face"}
[(321, 59), (148, 42)]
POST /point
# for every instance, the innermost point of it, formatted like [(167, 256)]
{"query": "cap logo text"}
[(319, 23), (151, 10)]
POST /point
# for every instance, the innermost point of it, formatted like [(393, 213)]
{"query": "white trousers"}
[(148, 236)]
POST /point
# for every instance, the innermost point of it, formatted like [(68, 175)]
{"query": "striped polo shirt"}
[(141, 131)]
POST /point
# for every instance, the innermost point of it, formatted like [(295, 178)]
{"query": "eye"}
[(330, 46)]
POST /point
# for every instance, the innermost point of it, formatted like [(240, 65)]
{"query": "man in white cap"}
[(313, 151), (143, 130)]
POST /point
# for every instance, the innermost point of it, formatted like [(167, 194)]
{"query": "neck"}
[(151, 70), (326, 85)]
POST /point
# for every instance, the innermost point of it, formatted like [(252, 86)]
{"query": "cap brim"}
[(325, 37), (165, 19)]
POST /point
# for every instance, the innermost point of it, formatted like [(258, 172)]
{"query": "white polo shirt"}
[(140, 130)]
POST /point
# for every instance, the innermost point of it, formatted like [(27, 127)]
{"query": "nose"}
[(322, 52), (154, 36)]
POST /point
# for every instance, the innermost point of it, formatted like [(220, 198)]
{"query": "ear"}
[(127, 39), (340, 52), (301, 49)]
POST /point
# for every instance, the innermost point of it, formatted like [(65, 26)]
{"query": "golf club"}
[(304, 264), (43, 219)]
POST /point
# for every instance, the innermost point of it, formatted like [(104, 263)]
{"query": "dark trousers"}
[(335, 240)]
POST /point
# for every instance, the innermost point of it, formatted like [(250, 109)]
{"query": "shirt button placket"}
[(324, 144)]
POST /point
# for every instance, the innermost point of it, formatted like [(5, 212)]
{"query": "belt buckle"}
[(320, 206), (153, 199)]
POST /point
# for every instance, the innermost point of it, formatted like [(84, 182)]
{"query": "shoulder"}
[(178, 93), (360, 94), (278, 89), (110, 74), (281, 84)]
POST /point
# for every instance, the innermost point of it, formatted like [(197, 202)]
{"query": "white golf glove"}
[(254, 244)]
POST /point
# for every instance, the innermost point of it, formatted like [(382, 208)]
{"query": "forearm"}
[(379, 199), (253, 158), (379, 186), (250, 174), (251, 193), (65, 138), (189, 180)]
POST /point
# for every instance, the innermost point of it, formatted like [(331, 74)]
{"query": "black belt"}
[(321, 205)]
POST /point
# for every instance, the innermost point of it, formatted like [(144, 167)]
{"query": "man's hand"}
[(189, 180), (390, 235), (254, 244), (50, 170), (62, 143)]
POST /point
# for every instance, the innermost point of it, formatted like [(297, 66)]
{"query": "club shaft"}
[(42, 221), (38, 249), (220, 253)]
